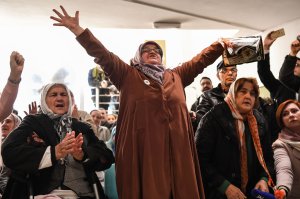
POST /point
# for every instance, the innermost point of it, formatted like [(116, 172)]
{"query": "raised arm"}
[(113, 66), (64, 19), (286, 74), (10, 91), (263, 68)]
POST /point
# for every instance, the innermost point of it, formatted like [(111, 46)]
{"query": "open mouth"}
[(59, 106), (247, 103)]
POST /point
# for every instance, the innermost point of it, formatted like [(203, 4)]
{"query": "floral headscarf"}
[(155, 72), (240, 128)]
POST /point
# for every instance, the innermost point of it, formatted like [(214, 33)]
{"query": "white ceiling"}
[(250, 16)]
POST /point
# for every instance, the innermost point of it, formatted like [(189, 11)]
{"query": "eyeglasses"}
[(225, 70), (148, 50)]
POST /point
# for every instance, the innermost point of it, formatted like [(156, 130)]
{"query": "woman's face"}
[(245, 98), (291, 116), (57, 99), (111, 118), (96, 116), (7, 125), (150, 54)]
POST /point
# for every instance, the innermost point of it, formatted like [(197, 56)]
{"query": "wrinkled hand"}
[(65, 147), (262, 185), (268, 41), (77, 149), (64, 19), (70, 145), (232, 192), (32, 109), (16, 66), (295, 48)]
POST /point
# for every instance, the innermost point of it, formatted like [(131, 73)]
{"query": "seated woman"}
[(233, 146), (59, 154), (7, 126), (287, 149)]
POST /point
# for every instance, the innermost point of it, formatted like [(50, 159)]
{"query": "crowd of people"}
[(227, 146)]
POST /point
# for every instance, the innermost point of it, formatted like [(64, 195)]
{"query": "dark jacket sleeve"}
[(286, 73), (205, 104), (266, 76), (206, 143), (18, 153)]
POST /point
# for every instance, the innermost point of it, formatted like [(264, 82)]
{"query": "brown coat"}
[(155, 151)]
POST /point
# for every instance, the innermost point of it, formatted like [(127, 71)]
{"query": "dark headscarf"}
[(153, 71)]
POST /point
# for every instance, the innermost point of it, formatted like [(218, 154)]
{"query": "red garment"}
[(155, 151)]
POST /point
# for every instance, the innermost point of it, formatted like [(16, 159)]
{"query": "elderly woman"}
[(7, 126), (155, 151), (10, 91), (287, 149), (233, 147), (59, 154)]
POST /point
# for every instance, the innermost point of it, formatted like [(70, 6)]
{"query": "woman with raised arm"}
[(155, 151), (9, 93)]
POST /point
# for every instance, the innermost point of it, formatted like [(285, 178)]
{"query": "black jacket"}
[(286, 73), (23, 155), (278, 91), (208, 99), (219, 153)]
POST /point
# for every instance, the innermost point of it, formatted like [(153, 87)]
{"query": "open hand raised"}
[(64, 19)]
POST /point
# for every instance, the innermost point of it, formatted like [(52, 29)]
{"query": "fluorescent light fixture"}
[(166, 24)]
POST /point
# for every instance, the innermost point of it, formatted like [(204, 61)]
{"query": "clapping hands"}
[(70, 145)]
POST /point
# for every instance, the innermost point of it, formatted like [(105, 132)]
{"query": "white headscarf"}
[(44, 107), (17, 120), (64, 124)]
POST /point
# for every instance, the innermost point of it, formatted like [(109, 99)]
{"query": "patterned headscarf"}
[(240, 130), (155, 72)]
